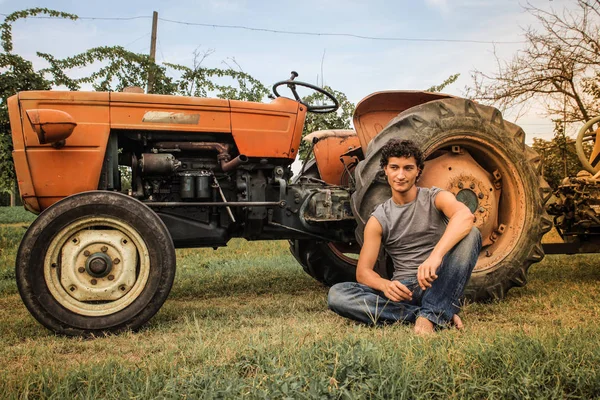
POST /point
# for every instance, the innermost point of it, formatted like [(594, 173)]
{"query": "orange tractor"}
[(101, 259)]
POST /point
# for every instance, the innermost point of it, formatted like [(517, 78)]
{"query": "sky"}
[(437, 38)]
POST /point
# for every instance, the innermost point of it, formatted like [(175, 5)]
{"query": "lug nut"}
[(460, 185), (104, 249), (86, 253), (116, 261), (472, 186), (481, 195), (93, 281), (81, 270), (111, 277), (481, 209)]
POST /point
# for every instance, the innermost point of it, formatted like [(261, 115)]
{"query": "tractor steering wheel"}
[(584, 134), (323, 109)]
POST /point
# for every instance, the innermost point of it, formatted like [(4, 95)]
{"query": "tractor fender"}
[(333, 153), (374, 112)]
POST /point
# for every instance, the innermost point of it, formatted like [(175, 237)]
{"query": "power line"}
[(305, 33), (298, 33), (141, 37)]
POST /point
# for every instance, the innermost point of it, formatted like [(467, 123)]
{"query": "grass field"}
[(246, 322)]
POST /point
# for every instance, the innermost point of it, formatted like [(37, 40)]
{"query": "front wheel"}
[(94, 263)]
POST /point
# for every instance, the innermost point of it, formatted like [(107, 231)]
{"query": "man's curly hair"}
[(401, 148)]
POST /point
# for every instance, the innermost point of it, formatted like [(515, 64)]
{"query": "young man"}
[(429, 236)]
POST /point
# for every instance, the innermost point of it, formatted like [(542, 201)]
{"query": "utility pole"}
[(152, 51)]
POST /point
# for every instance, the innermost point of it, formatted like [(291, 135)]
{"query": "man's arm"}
[(460, 222), (365, 273)]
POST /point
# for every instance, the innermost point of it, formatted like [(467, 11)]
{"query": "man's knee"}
[(338, 295), (472, 241), (467, 250)]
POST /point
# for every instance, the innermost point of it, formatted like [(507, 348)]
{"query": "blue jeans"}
[(438, 303)]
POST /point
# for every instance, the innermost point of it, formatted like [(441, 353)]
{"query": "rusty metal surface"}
[(331, 153), (227, 164), (375, 111), (170, 117), (158, 164), (338, 133), (51, 125), (88, 286), (458, 173), (511, 208), (216, 203), (327, 205)]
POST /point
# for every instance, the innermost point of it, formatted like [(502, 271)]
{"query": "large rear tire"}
[(95, 263), (326, 262), (496, 172)]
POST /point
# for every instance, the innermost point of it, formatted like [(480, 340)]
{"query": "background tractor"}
[(100, 258)]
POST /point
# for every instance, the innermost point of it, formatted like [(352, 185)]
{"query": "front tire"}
[(95, 263)]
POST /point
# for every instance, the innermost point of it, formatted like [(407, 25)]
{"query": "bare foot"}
[(423, 326), (457, 322)]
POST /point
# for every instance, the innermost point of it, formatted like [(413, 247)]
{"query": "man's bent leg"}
[(364, 304), (441, 301)]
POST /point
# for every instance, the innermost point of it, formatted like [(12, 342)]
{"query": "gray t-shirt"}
[(411, 231)]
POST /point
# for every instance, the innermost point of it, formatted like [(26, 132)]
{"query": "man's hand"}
[(396, 291), (427, 271)]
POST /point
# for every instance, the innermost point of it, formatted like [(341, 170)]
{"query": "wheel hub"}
[(468, 198), (473, 186), (98, 265)]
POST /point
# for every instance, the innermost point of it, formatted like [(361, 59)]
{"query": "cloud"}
[(441, 5)]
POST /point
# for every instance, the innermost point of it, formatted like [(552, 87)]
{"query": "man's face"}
[(401, 173)]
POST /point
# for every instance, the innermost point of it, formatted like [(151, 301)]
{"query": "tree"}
[(16, 74), (559, 156), (559, 67), (438, 88), (341, 119), (118, 68)]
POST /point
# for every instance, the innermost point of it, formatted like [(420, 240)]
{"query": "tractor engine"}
[(577, 208), (207, 193)]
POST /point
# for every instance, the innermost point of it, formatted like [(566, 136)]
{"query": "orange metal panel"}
[(64, 96), (267, 130), (120, 97), (66, 171), (51, 125), (91, 117), (375, 111), (21, 167), (328, 150), (76, 167), (298, 129), (169, 117), (46, 202)]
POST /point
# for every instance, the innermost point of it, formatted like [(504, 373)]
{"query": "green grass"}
[(246, 321), (15, 215)]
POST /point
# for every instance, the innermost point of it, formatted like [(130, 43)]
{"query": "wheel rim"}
[(97, 266), (503, 228), (340, 250)]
